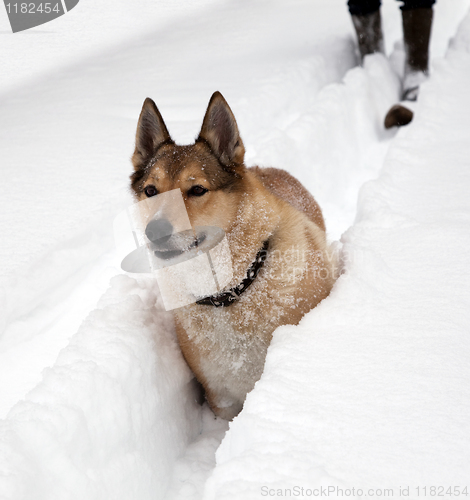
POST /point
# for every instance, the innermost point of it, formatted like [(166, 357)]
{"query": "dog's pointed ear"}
[(151, 133), (219, 129)]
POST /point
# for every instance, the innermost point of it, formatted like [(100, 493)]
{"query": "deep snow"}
[(114, 416)]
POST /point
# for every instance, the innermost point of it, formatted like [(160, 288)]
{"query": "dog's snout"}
[(159, 230)]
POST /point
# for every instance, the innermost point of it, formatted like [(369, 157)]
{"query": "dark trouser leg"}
[(365, 15), (363, 7), (416, 4)]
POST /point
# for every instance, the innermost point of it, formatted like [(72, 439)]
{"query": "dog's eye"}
[(197, 191), (150, 191)]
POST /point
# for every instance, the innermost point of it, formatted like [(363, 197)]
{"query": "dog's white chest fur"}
[(231, 358), (233, 368)]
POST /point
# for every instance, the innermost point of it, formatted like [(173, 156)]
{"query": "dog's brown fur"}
[(226, 347)]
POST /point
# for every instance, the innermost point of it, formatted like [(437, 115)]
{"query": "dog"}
[(276, 233)]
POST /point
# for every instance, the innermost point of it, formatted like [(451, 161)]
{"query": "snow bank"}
[(110, 418), (372, 389)]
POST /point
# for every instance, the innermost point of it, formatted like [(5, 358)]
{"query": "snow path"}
[(114, 413), (379, 396)]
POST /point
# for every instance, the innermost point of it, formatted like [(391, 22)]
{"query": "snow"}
[(106, 409), (91, 29), (371, 389)]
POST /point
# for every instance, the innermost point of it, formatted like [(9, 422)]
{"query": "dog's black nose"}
[(159, 230)]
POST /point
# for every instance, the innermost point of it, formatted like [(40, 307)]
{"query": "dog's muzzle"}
[(166, 243)]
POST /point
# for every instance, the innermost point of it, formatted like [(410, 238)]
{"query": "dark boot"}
[(369, 33), (398, 116), (416, 34)]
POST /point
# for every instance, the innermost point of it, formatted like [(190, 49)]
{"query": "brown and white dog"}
[(264, 212)]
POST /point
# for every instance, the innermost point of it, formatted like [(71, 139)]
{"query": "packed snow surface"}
[(370, 391)]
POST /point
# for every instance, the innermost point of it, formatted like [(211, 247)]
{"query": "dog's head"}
[(208, 172)]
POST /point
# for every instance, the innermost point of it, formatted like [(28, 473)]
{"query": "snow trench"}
[(117, 409)]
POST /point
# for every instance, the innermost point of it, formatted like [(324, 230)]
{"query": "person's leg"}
[(363, 7), (365, 15), (417, 21), (416, 4)]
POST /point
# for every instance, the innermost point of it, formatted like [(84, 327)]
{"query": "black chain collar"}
[(228, 298)]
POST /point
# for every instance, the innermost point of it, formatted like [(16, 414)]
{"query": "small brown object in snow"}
[(398, 116)]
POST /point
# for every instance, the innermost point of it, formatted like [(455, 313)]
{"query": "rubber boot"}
[(416, 34), (369, 33)]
